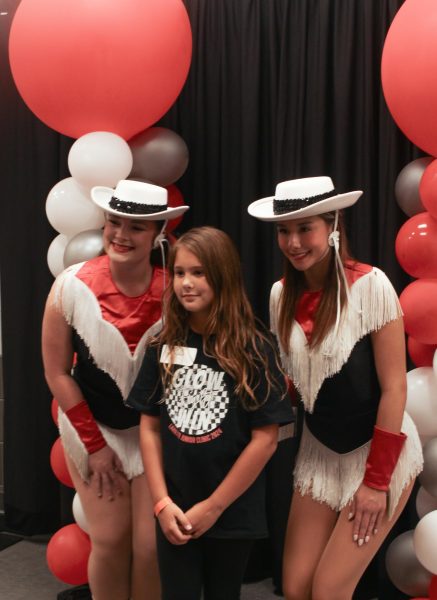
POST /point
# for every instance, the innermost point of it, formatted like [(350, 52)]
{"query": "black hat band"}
[(281, 207), (135, 208)]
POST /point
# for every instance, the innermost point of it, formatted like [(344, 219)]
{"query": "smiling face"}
[(128, 240), (304, 242), (191, 287)]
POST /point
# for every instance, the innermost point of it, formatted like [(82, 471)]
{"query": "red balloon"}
[(175, 198), (58, 464), (84, 66), (421, 354), (54, 410), (409, 62), (433, 588), (67, 554), (419, 303), (416, 246), (428, 189)]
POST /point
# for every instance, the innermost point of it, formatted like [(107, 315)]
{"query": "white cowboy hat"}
[(136, 200), (299, 198)]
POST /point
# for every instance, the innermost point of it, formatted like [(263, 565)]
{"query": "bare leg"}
[(343, 562), (310, 525), (145, 574), (109, 524)]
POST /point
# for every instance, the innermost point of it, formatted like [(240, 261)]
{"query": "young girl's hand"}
[(202, 516), (175, 525), (367, 509)]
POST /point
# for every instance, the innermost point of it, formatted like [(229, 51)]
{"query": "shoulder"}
[(91, 268), (355, 270)]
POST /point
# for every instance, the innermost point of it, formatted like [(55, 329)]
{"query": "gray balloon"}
[(159, 156), (83, 246), (428, 477), (404, 569), (407, 186)]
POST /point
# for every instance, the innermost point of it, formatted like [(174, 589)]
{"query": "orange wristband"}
[(161, 504)]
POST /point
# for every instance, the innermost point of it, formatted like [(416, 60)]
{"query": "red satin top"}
[(132, 316)]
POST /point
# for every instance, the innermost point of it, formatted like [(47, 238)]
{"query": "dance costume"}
[(109, 334), (339, 389)]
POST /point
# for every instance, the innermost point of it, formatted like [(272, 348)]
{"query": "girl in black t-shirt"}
[(211, 394)]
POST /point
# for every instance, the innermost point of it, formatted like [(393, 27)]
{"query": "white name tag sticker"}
[(182, 355)]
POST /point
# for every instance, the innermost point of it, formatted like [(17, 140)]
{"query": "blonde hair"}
[(294, 285), (231, 334)]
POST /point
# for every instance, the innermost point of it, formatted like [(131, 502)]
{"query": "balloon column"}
[(409, 55), (103, 76)]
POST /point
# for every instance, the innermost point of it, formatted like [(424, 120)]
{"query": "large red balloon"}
[(58, 464), (409, 64), (67, 554), (419, 303), (93, 65), (428, 189), (416, 246), (421, 354), (433, 588)]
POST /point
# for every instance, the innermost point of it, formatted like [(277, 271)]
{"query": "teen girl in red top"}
[(340, 330), (104, 311)]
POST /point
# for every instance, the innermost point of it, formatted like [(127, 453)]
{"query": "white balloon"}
[(70, 210), (425, 503), (55, 254), (78, 514), (422, 400), (100, 158), (425, 541)]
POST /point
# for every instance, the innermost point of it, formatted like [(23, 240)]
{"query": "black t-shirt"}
[(204, 429)]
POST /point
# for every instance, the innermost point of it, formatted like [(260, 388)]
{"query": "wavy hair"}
[(232, 335)]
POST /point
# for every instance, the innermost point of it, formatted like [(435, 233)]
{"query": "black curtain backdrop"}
[(277, 89)]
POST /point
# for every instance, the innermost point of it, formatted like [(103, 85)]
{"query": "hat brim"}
[(101, 196), (263, 209)]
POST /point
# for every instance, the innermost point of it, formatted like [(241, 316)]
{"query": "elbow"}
[(271, 447)]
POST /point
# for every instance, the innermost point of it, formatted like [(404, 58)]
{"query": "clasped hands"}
[(180, 527)]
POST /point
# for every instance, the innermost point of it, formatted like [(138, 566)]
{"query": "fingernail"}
[(360, 542), (355, 537), (367, 538), (350, 515), (188, 527), (375, 531)]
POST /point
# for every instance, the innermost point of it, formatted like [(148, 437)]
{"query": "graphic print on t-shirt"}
[(197, 402)]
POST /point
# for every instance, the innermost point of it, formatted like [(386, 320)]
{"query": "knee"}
[(107, 539), (293, 590)]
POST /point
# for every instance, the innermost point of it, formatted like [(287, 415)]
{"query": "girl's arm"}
[(172, 519), (57, 351), (243, 473), (369, 504)]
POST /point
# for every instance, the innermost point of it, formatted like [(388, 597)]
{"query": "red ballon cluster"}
[(409, 56)]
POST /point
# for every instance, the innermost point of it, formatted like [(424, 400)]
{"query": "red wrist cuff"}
[(83, 421), (385, 449)]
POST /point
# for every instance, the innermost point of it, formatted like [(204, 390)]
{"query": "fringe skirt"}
[(333, 479), (124, 442)]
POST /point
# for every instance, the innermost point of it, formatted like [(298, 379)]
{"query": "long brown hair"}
[(294, 285), (231, 333)]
